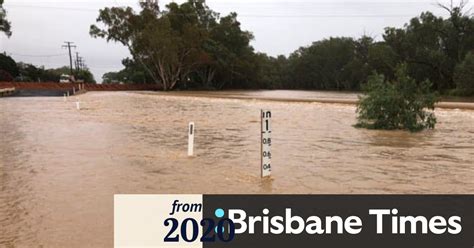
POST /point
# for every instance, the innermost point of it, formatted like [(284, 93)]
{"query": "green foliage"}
[(272, 73), (85, 75), (186, 45), (189, 46), (400, 104), (5, 76), (383, 59), (429, 45), (8, 64), (432, 46), (133, 73), (464, 76), (324, 64), (5, 26), (31, 73)]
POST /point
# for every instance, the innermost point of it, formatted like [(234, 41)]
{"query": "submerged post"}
[(191, 139), (266, 142)]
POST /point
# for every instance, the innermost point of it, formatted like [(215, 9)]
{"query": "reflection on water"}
[(60, 167)]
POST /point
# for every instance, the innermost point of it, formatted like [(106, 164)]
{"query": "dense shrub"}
[(400, 104)]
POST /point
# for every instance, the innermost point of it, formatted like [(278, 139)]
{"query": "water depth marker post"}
[(266, 142), (191, 139)]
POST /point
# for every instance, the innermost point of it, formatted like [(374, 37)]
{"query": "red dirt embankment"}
[(69, 86)]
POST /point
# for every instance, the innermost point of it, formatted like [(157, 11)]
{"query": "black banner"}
[(344, 220)]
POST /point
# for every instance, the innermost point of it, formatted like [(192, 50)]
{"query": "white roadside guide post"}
[(266, 143), (78, 105), (65, 99), (191, 139)]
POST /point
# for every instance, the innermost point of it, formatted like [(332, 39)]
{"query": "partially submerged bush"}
[(401, 104)]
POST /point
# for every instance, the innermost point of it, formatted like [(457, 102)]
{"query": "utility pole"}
[(81, 63), (77, 62), (68, 46)]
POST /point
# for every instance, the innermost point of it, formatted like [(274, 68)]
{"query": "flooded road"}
[(60, 167)]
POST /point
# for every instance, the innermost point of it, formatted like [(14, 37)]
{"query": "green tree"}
[(324, 64), (31, 73), (5, 26), (111, 77), (271, 71), (383, 59), (86, 76), (8, 64), (133, 73), (232, 56), (5, 76), (401, 104), (166, 43), (432, 46), (54, 74), (186, 43), (464, 76)]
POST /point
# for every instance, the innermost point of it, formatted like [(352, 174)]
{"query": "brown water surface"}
[(60, 167)]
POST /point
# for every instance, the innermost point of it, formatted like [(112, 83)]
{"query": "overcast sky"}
[(280, 26)]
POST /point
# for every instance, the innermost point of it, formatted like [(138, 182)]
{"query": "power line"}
[(271, 16), (274, 16), (342, 2), (38, 56), (68, 46)]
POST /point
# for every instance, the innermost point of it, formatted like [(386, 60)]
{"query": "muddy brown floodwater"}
[(59, 167)]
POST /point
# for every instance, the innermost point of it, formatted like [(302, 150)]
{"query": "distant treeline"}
[(12, 71), (189, 46)]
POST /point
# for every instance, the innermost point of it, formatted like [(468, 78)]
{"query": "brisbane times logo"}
[(226, 224)]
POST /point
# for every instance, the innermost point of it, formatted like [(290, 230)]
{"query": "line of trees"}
[(190, 46), (10, 70)]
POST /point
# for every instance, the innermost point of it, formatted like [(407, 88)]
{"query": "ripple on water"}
[(60, 167)]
